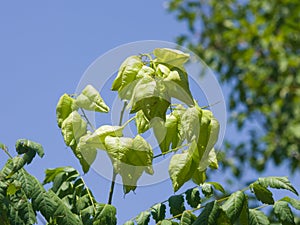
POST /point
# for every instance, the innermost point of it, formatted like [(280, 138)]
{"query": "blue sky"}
[(45, 47)]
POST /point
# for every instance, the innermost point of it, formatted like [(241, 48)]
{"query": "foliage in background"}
[(254, 46)]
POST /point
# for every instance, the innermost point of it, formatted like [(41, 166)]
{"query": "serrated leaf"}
[(209, 215), (223, 219), (176, 204), (51, 174), (171, 56), (262, 193), (257, 217), (141, 122), (294, 202), (90, 99), (73, 128), (244, 216), (24, 145), (158, 212), (277, 182), (207, 189), (127, 72), (62, 213), (143, 218), (187, 218), (64, 108), (217, 186), (105, 215), (192, 197), (234, 205), (130, 158), (284, 213), (199, 177)]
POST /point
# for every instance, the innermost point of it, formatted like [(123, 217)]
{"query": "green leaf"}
[(162, 70), (223, 218), (51, 174), (176, 204), (150, 96), (62, 213), (234, 205), (217, 186), (192, 197), (143, 218), (87, 152), (127, 72), (73, 128), (244, 216), (277, 182), (105, 215), (171, 56), (129, 223), (158, 212), (167, 133), (178, 86), (294, 202), (257, 217), (284, 213), (190, 121), (141, 122), (207, 189), (90, 99), (64, 108), (24, 145), (165, 222), (2, 146), (130, 158), (181, 169), (262, 193), (187, 218), (97, 138), (199, 177), (13, 187), (209, 215)]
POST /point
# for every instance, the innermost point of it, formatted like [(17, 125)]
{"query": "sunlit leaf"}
[(142, 122), (277, 182), (64, 108), (73, 128), (187, 218), (171, 56), (90, 99), (143, 218)]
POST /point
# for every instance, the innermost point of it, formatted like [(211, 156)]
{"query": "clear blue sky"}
[(45, 47)]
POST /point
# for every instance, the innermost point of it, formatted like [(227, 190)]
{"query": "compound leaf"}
[(277, 182), (284, 213), (234, 205), (209, 215)]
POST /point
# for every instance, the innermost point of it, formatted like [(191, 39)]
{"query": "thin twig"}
[(89, 193), (114, 175), (172, 150), (87, 120)]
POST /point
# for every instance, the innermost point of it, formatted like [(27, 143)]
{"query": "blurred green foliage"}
[(254, 46)]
